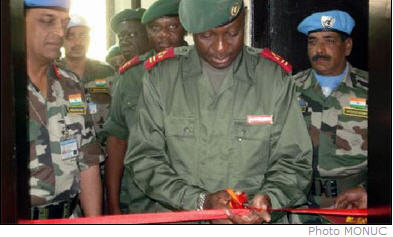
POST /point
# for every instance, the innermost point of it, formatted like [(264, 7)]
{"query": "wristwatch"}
[(201, 200)]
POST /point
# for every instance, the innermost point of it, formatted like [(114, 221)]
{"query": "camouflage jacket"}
[(53, 177), (97, 82), (337, 126)]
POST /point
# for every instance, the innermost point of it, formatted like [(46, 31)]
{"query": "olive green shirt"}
[(188, 139), (127, 88), (125, 98)]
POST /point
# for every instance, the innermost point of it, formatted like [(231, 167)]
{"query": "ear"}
[(348, 46)]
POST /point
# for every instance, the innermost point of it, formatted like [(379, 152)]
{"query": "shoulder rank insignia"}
[(267, 53), (57, 71), (153, 60), (134, 61)]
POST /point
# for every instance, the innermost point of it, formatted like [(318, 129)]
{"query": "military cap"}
[(160, 9), (64, 4), (113, 51), (76, 20), (198, 16), (125, 15), (334, 20)]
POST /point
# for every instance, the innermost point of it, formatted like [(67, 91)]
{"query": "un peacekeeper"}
[(114, 57), (131, 32), (96, 77), (64, 156), (219, 115), (333, 97), (164, 30)]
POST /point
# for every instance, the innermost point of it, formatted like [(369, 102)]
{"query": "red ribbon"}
[(184, 216)]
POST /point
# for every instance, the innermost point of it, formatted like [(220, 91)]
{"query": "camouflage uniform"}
[(52, 178), (97, 82), (339, 139)]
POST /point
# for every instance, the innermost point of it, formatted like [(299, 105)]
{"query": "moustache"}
[(320, 56)]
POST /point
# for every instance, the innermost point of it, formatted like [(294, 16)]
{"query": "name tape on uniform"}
[(259, 119)]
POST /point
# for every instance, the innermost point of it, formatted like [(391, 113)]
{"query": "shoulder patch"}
[(152, 61), (132, 62), (267, 53)]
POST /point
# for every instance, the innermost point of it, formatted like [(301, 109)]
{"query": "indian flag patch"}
[(100, 82), (358, 103), (75, 99)]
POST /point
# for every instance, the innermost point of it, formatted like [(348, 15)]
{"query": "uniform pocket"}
[(351, 136), (130, 103), (251, 147), (181, 143), (180, 127)]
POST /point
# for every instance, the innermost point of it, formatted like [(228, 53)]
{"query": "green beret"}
[(125, 15), (160, 9), (198, 16), (114, 50)]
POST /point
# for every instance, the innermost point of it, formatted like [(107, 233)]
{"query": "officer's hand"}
[(259, 213), (218, 200), (352, 198)]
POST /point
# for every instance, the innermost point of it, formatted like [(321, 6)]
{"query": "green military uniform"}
[(62, 143), (97, 81), (338, 130), (122, 116), (249, 135)]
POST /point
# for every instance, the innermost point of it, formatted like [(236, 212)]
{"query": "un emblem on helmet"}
[(327, 21), (235, 9)]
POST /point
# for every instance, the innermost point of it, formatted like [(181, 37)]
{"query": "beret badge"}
[(235, 9), (327, 21)]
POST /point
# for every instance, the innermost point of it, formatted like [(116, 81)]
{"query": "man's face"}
[(76, 42), (220, 46), (165, 32), (327, 52), (44, 33), (132, 38)]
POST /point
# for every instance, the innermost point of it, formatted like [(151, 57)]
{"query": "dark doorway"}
[(275, 23)]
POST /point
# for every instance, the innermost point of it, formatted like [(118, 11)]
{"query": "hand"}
[(260, 214), (352, 198), (218, 200)]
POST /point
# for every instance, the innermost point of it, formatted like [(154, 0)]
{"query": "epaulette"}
[(153, 60), (132, 62), (57, 71), (267, 53)]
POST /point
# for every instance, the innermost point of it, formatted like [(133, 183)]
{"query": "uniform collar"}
[(242, 66)]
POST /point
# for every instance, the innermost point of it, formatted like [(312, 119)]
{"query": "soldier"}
[(219, 115), (96, 77), (114, 57), (64, 156), (163, 30), (131, 33), (333, 97)]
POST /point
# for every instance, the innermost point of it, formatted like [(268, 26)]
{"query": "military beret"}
[(113, 51), (76, 20), (198, 16), (125, 15), (334, 20), (64, 4), (160, 9)]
